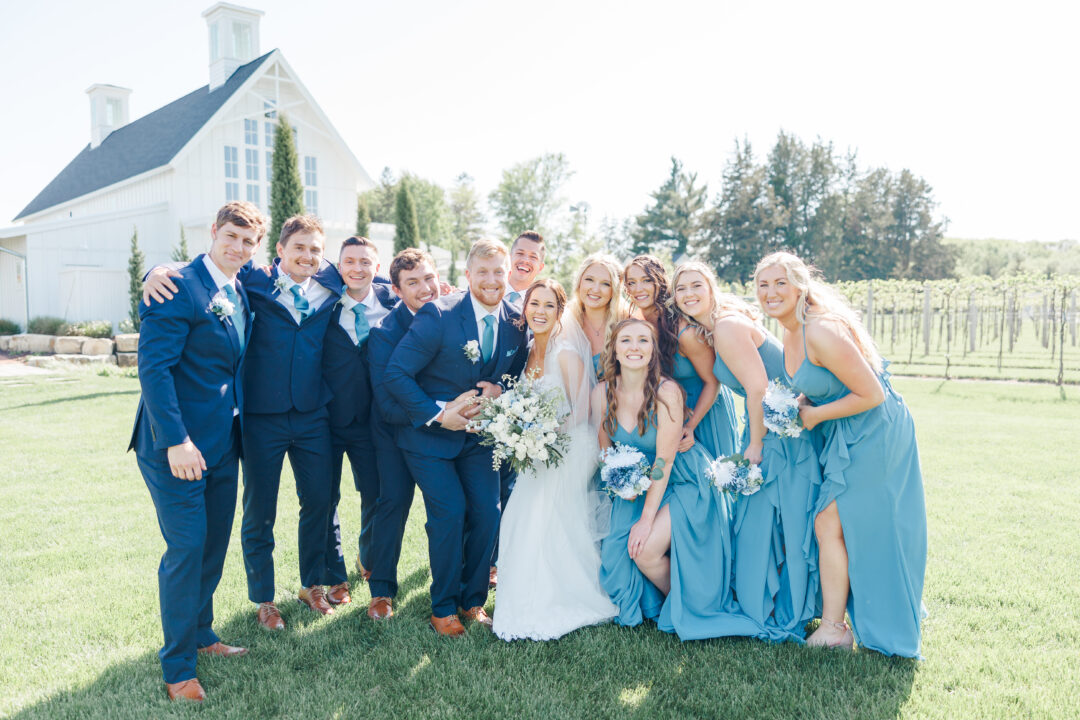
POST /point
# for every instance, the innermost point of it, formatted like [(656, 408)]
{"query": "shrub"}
[(45, 325), (125, 326), (89, 328), (9, 327)]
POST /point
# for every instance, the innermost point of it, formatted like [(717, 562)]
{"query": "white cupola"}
[(234, 39), (108, 110)]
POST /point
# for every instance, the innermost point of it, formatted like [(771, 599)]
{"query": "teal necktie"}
[(513, 296), (361, 324), (237, 315), (488, 345), (300, 302)]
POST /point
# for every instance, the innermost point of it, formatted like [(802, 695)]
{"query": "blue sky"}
[(978, 98)]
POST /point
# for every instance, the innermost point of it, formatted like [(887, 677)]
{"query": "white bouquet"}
[(522, 425), (735, 475), (781, 406), (625, 472)]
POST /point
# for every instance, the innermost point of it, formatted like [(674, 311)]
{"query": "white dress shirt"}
[(221, 281), (481, 312), (315, 293), (372, 308)]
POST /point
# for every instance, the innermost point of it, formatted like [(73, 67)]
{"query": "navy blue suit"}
[(286, 413), (395, 480), (461, 490), (345, 368), (190, 365)]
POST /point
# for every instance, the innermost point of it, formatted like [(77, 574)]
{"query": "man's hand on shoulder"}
[(186, 462), (158, 285)]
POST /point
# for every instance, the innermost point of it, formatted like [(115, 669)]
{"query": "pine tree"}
[(673, 222), (363, 216), (286, 190), (180, 253), (136, 271), (407, 230)]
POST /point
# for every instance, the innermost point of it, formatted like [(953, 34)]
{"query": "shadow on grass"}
[(74, 398), (349, 666)]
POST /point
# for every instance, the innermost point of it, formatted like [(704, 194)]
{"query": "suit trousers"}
[(195, 517), (356, 442), (305, 438), (396, 488), (461, 496)]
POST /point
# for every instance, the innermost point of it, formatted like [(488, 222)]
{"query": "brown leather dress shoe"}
[(477, 614), (365, 574), (269, 617), (315, 598), (493, 576), (380, 608), (339, 594), (221, 649), (186, 690), (448, 626)]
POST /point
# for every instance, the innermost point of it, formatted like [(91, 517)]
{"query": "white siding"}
[(13, 281), (151, 190)]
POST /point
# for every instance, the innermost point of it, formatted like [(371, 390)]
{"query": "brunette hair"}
[(560, 302), (300, 224), (408, 259), (242, 214), (667, 339), (358, 241), (534, 237), (654, 377)]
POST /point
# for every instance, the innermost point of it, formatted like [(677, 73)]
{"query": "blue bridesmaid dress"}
[(700, 603), (870, 467), (598, 366), (718, 431), (776, 578)]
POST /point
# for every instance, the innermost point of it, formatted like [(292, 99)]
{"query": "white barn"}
[(171, 168)]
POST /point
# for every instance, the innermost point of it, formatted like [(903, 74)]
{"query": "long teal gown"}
[(870, 467), (718, 431), (700, 603), (597, 366), (776, 578)]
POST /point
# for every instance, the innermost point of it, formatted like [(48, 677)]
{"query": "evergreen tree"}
[(382, 199), (363, 216), (136, 270), (286, 189), (407, 227), (180, 253), (527, 197), (673, 221), (432, 214)]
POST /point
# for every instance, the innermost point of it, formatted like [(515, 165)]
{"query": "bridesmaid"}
[(776, 579), (667, 555), (598, 304), (710, 418), (870, 515)]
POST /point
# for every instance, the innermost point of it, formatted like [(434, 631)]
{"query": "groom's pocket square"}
[(511, 352)]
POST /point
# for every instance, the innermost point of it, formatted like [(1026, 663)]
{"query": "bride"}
[(549, 557)]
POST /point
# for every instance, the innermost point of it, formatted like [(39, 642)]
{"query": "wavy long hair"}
[(721, 303), (818, 299), (560, 303), (654, 376), (616, 310), (667, 339)]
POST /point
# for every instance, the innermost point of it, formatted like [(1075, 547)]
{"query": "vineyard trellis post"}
[(927, 320)]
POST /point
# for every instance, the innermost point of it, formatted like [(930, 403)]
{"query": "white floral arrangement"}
[(781, 406), (735, 475), (472, 350), (282, 283), (625, 471), (222, 306), (522, 425)]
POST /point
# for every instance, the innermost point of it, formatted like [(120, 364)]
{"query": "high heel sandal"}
[(846, 641)]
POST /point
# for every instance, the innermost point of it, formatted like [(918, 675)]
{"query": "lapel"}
[(384, 295), (212, 289), (339, 332), (273, 293), (503, 339), (469, 329), (249, 314)]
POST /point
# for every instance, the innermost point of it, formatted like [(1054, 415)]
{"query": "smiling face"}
[(634, 346), (232, 247), (693, 293), (417, 286), (301, 254), (640, 287), (595, 289), (542, 311), (358, 265), (487, 279), (526, 262), (776, 293)]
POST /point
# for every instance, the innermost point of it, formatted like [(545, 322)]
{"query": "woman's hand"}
[(639, 533), (809, 416), (686, 441), (753, 452)]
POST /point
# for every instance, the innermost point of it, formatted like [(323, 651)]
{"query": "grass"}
[(79, 549)]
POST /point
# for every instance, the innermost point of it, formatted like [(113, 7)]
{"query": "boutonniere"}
[(222, 306), (281, 283), (472, 350)]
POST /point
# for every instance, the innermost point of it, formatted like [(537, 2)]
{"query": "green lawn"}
[(79, 549)]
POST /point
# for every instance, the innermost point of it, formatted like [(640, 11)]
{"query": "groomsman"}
[(457, 343), (187, 435), (345, 366)]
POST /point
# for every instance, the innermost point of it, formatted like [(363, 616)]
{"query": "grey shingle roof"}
[(145, 144)]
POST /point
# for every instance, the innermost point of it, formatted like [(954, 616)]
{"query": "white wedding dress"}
[(549, 553)]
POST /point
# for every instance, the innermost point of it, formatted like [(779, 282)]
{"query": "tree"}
[(432, 214), (527, 197), (136, 270), (466, 220), (180, 253), (363, 216), (674, 219), (286, 190), (407, 227), (382, 199)]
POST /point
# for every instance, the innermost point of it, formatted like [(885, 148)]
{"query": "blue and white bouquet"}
[(625, 471), (781, 406), (522, 425), (735, 475)]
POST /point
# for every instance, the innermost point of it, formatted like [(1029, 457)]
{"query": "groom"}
[(456, 343)]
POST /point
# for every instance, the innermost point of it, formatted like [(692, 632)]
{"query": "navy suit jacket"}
[(190, 370), (430, 364), (380, 346), (345, 366), (284, 368)]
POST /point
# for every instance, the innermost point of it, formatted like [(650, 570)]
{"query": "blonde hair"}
[(818, 299), (721, 303), (616, 309), (484, 249)]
